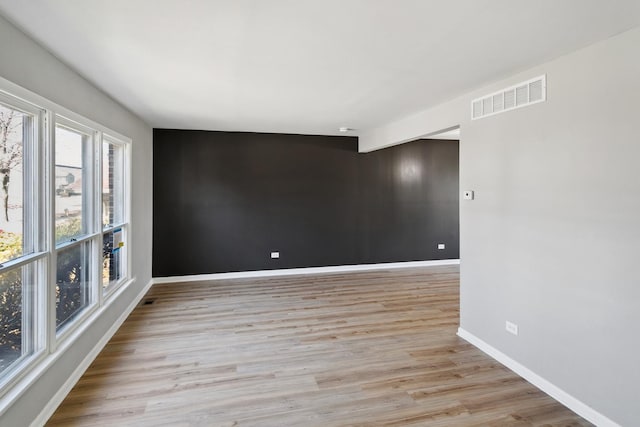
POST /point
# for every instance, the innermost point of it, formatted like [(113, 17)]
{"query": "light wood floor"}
[(359, 349)]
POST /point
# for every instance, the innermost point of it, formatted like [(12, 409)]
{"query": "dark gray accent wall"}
[(223, 201)]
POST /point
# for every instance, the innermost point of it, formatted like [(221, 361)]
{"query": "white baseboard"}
[(62, 392), (306, 270), (546, 386)]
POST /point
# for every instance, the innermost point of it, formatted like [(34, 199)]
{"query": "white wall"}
[(25, 63), (553, 238)]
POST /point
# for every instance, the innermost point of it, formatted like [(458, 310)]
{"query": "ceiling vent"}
[(516, 96)]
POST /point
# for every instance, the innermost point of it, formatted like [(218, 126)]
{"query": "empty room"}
[(319, 213)]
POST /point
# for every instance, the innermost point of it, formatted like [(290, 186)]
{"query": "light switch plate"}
[(467, 195)]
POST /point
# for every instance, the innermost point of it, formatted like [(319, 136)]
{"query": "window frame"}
[(51, 345), (88, 162), (107, 292), (34, 230), (32, 146), (89, 219)]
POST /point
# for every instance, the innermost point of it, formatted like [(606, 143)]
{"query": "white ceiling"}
[(306, 66)]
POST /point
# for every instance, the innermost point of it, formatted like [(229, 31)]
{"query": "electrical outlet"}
[(512, 328), (275, 255), (440, 245), (468, 195)]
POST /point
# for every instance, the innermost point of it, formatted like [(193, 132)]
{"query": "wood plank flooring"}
[(359, 349)]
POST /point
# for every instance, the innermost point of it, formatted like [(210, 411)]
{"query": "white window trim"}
[(48, 112), (39, 255), (90, 237), (126, 212)]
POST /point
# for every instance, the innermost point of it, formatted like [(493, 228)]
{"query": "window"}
[(74, 224), (113, 213), (21, 257), (112, 182), (63, 197), (73, 282), (17, 293), (72, 182), (15, 126), (112, 258)]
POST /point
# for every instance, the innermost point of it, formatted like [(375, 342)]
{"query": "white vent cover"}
[(516, 96)]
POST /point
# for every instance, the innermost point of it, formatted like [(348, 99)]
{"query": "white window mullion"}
[(128, 199), (97, 217), (50, 229), (38, 198)]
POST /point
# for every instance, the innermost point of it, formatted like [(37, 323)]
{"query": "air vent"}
[(517, 96)]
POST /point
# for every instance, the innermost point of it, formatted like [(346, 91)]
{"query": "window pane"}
[(112, 256), (71, 184), (112, 184), (73, 284), (14, 127), (17, 315)]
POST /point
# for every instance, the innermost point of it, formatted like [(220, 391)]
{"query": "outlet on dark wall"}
[(224, 201)]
